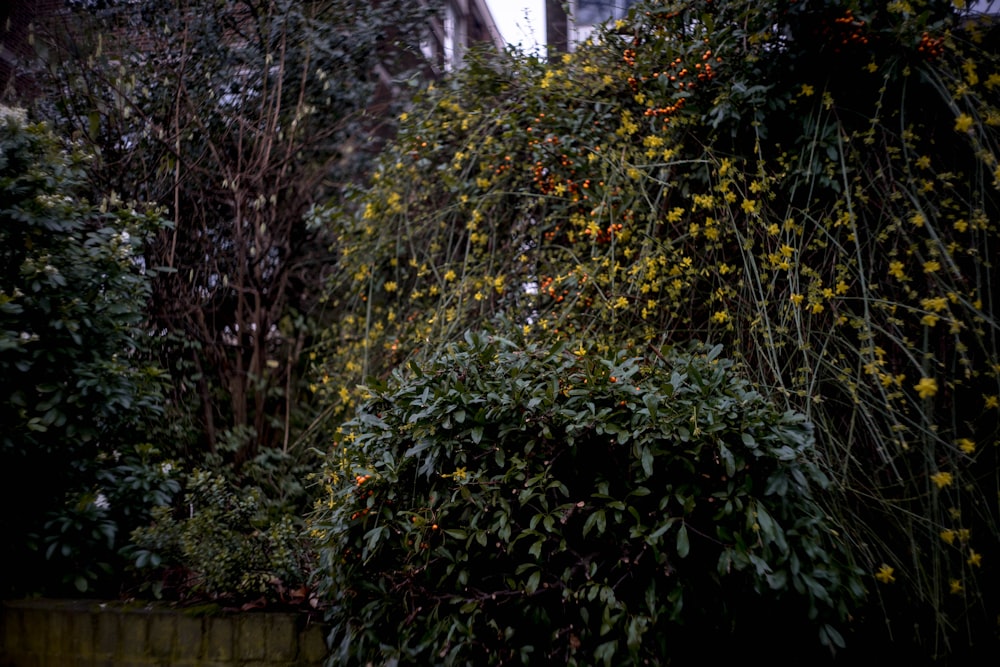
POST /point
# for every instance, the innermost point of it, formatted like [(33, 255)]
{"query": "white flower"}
[(13, 114)]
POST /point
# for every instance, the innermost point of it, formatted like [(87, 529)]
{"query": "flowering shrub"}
[(519, 503), (75, 391), (812, 184)]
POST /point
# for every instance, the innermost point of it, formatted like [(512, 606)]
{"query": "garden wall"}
[(89, 633)]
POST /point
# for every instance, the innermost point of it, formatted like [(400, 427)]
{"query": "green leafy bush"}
[(813, 184), (85, 539), (510, 503), (75, 390), (229, 543)]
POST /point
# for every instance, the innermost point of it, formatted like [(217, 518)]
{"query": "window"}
[(591, 12)]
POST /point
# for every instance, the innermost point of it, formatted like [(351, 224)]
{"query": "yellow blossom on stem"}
[(963, 123), (975, 559), (955, 586), (942, 479), (926, 388), (885, 574), (966, 445), (948, 536)]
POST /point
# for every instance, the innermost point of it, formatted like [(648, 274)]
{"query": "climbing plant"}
[(811, 184)]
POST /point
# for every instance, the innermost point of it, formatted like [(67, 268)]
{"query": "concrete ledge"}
[(93, 633)]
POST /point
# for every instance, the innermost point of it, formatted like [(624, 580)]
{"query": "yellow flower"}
[(966, 445), (896, 270), (955, 586), (935, 305), (942, 479), (963, 123), (948, 536), (974, 559), (932, 266), (391, 286), (807, 90), (675, 214), (918, 219), (926, 388), (796, 299), (992, 402), (720, 316), (460, 473), (449, 275), (885, 575), (748, 206)]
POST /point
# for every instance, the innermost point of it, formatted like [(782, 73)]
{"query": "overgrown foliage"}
[(76, 396), (231, 545), (812, 184), (523, 504), (236, 117)]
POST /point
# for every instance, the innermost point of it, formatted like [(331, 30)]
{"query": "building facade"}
[(464, 23), (564, 29)]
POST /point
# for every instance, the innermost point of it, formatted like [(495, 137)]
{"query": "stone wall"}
[(88, 633)]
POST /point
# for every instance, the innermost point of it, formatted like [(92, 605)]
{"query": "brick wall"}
[(87, 633)]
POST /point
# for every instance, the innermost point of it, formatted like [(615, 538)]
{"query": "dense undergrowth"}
[(812, 185), (689, 332)]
